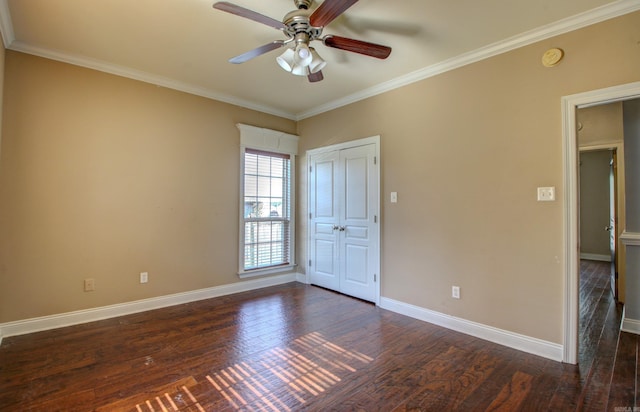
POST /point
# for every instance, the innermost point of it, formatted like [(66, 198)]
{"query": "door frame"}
[(348, 145), (570, 214)]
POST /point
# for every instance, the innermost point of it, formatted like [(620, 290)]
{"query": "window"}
[(266, 201), (267, 209)]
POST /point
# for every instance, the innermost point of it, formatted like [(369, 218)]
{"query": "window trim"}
[(271, 141)]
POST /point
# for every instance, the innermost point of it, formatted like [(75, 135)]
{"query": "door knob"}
[(336, 227), (342, 228), (608, 228)]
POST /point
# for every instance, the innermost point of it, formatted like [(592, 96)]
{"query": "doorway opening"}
[(600, 199), (570, 106), (601, 205)]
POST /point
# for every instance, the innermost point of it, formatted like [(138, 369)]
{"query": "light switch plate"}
[(546, 194), (394, 197)]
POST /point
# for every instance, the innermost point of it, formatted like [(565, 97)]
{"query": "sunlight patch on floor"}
[(307, 368), (281, 379)]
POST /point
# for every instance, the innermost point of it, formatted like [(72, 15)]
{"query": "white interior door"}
[(358, 222), (323, 233), (343, 203)]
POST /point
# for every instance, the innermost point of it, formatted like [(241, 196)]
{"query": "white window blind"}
[(267, 209)]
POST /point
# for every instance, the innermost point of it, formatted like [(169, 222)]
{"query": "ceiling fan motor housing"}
[(297, 22)]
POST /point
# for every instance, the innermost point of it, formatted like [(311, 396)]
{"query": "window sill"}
[(266, 271)]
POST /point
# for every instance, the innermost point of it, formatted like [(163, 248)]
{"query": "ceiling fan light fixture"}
[(300, 70), (287, 60), (317, 62), (303, 55)]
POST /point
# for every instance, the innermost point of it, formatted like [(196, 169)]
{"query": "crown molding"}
[(597, 15), (6, 26)]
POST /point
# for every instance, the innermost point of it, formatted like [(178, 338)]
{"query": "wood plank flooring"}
[(297, 347)]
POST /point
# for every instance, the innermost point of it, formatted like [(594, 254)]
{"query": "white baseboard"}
[(506, 338), (513, 340), (629, 325), (595, 256), (25, 326)]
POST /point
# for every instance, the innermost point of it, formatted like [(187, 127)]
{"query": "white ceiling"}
[(185, 44)]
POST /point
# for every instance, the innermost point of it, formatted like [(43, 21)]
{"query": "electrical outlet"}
[(455, 292), (89, 285), (546, 194), (144, 277)]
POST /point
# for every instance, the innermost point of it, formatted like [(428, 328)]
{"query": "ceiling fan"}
[(301, 27)]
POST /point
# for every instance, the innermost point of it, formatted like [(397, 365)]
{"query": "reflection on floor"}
[(308, 367)]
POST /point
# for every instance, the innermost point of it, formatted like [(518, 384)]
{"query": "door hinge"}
[(375, 218), (310, 169), (309, 262), (310, 216), (375, 160), (375, 277)]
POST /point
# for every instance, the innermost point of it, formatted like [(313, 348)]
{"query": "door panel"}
[(357, 233), (357, 265), (325, 188), (356, 172), (324, 259)]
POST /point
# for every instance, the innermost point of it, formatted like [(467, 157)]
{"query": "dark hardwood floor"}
[(296, 347)]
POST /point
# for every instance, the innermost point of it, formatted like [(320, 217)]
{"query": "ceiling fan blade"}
[(276, 44), (315, 77), (249, 14), (328, 11), (358, 46)]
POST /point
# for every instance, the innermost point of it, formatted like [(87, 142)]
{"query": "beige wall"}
[(465, 151), (104, 177), (599, 125), (631, 116), (631, 123)]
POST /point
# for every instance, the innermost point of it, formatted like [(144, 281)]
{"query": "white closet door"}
[(323, 203), (343, 227), (358, 245)]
